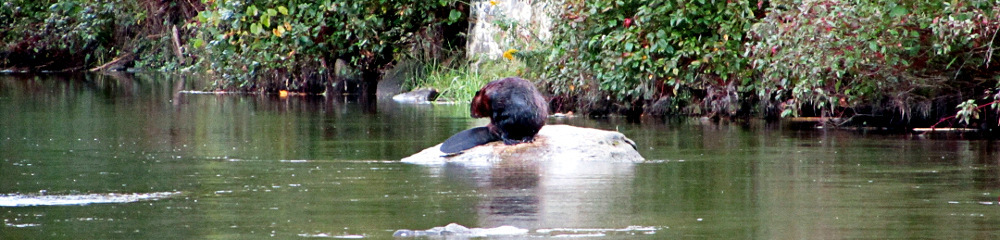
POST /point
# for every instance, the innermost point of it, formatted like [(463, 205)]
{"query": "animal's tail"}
[(467, 139)]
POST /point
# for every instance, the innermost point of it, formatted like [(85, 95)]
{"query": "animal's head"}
[(481, 104)]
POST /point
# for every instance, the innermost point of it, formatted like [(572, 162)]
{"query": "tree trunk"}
[(369, 85)]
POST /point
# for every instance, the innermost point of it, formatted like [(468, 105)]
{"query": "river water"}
[(129, 157)]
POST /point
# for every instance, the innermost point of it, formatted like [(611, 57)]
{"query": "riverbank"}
[(916, 65)]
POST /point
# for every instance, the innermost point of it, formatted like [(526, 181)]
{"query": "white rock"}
[(553, 143)]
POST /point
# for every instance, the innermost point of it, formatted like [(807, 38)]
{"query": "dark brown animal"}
[(516, 110)]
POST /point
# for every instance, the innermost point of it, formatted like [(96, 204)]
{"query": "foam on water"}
[(24, 200), (326, 235), (459, 230), (596, 232), (454, 229)]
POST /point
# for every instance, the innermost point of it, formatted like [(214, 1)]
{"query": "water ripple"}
[(24, 200)]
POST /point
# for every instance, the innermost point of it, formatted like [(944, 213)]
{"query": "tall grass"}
[(460, 82)]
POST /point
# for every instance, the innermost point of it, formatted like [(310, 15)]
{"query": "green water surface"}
[(258, 166)]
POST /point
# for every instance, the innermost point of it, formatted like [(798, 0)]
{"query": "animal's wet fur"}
[(516, 110)]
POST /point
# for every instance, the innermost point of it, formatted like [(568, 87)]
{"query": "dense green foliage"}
[(702, 57), (263, 45), (720, 57), (247, 43), (74, 35), (636, 50), (830, 54)]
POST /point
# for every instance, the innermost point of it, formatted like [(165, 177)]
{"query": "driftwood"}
[(178, 50), (115, 63), (945, 130)]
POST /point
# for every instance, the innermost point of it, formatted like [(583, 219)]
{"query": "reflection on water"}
[(535, 195), (253, 166)]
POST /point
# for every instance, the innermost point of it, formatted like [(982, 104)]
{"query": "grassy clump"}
[(460, 83)]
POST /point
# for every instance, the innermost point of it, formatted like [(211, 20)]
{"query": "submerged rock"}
[(553, 143), (419, 95)]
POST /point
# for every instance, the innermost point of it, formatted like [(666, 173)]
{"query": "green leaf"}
[(266, 21), (629, 46), (454, 16), (202, 16), (283, 10), (327, 5), (271, 12), (252, 10), (255, 28), (898, 11)]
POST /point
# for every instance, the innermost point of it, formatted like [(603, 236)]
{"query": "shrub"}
[(76, 35), (293, 44), (631, 51), (836, 55)]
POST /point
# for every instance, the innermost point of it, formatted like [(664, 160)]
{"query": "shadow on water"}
[(253, 166)]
